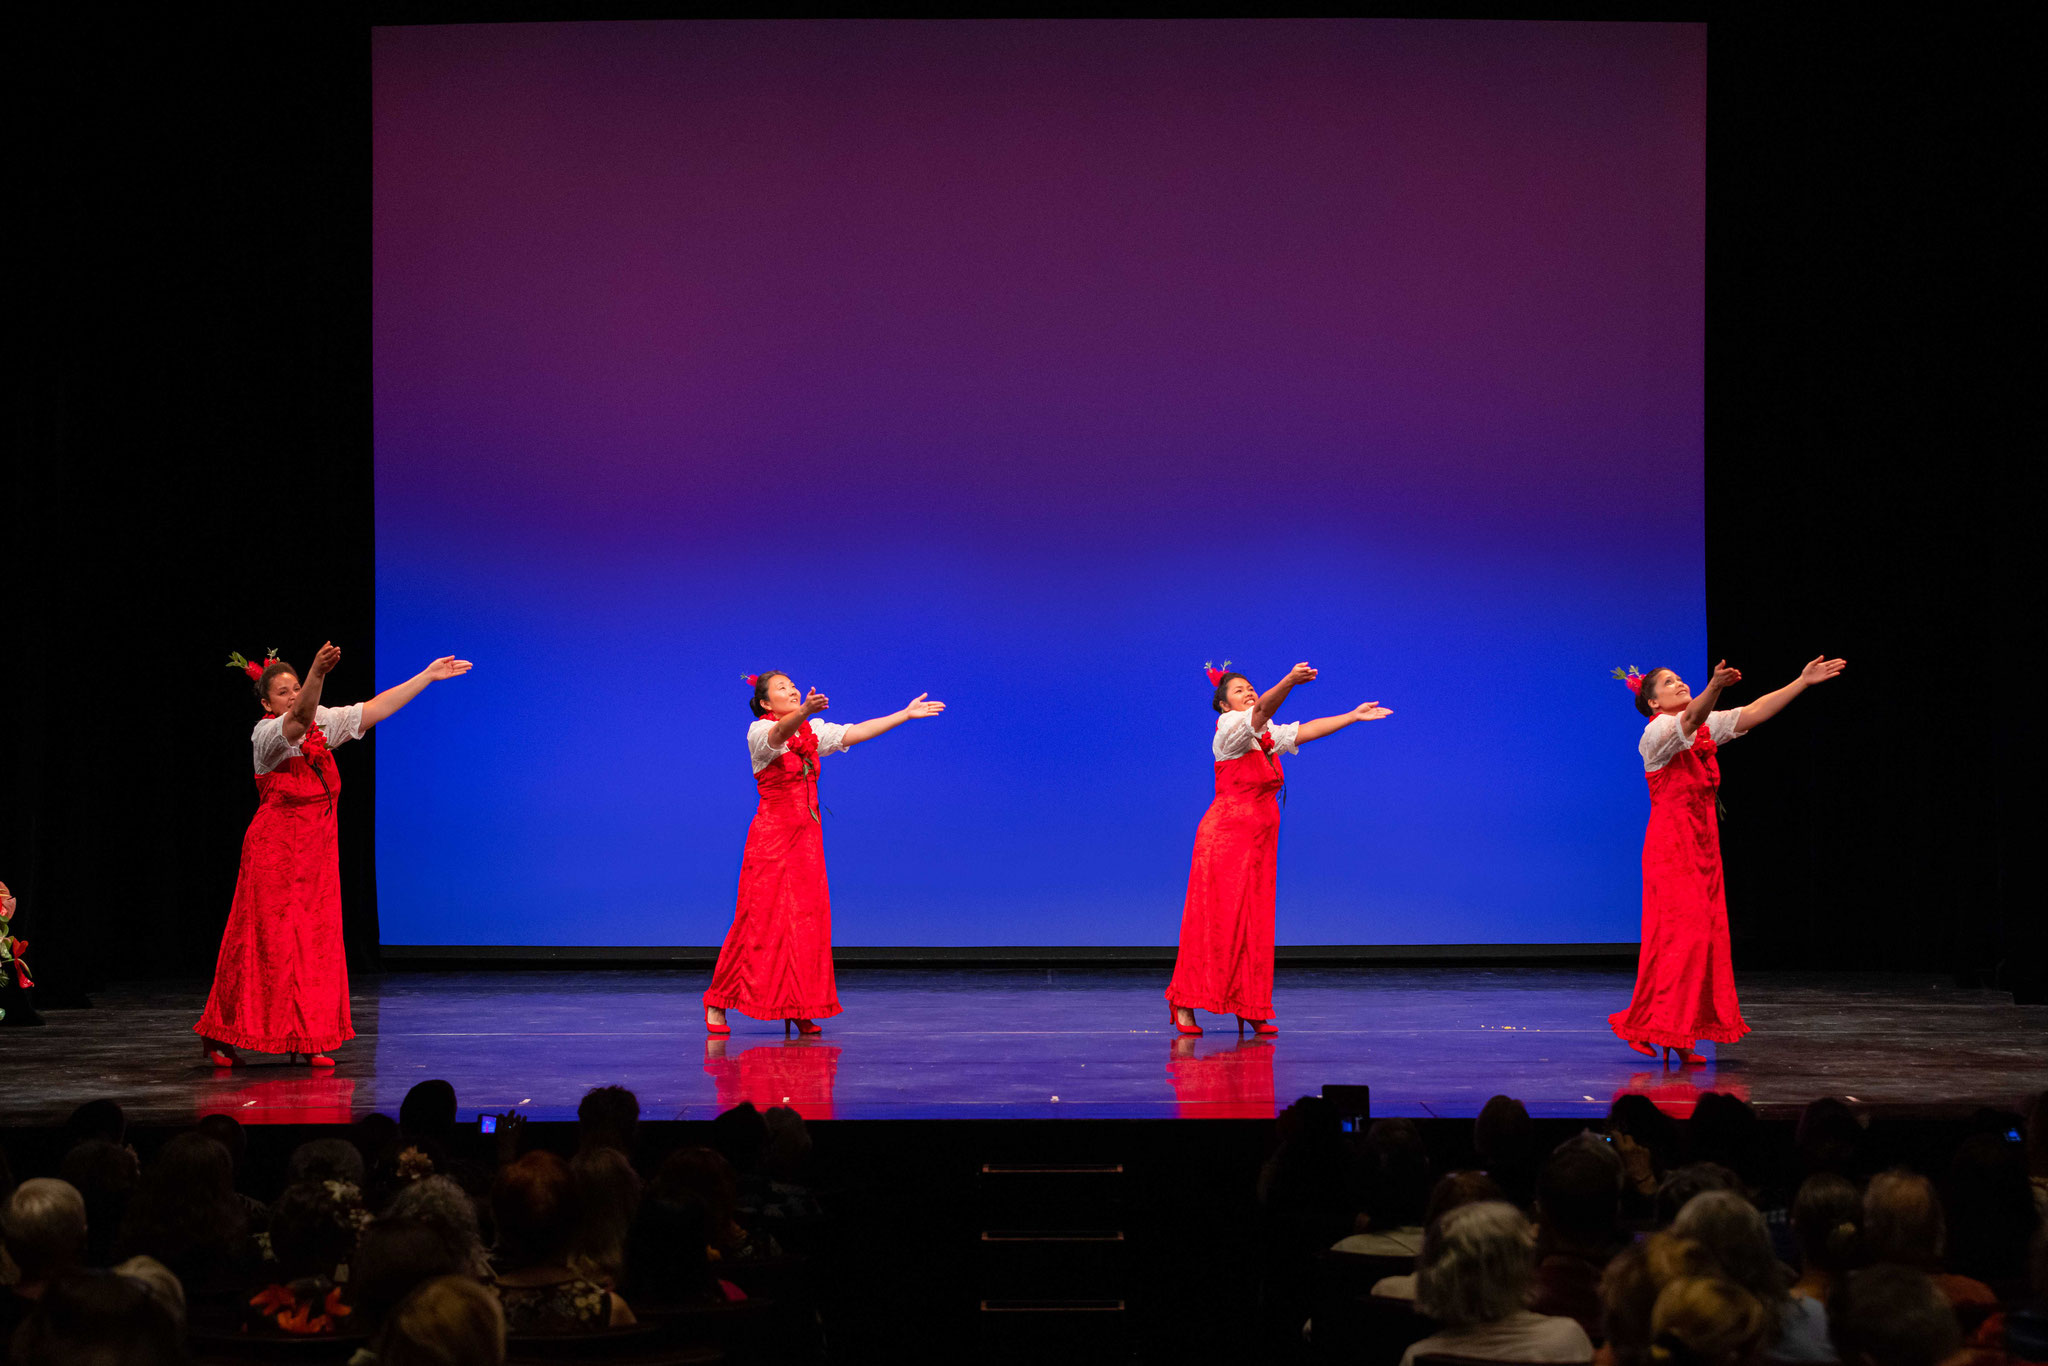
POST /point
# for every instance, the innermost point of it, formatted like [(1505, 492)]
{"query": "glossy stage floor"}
[(932, 1043)]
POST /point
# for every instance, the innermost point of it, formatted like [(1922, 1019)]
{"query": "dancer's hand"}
[(1370, 711), (447, 666), (1724, 677), (1821, 669), (324, 662), (920, 707), (1301, 673), (814, 704)]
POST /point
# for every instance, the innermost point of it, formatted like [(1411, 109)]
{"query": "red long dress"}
[(776, 963), (1685, 982), (1225, 964), (281, 982)]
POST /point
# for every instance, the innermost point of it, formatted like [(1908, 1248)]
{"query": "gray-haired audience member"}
[(440, 1203), (1733, 1233), (1477, 1266), (325, 1159), (162, 1285)]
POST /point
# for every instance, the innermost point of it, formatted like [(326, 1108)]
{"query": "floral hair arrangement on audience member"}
[(11, 949), (1631, 678), (253, 667)]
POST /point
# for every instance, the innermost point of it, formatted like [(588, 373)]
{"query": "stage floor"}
[(1016, 1044)]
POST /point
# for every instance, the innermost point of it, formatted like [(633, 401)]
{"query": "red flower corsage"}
[(800, 752)]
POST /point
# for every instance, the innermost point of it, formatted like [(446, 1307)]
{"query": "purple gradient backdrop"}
[(1032, 364)]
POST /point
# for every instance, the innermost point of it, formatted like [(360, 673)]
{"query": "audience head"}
[(740, 1134), (99, 1318), (1991, 1211), (227, 1131), (668, 1261), (608, 1196), (1830, 1139), (395, 1257), (1891, 1315), (1396, 1173), (608, 1117), (101, 1119), (449, 1321), (1902, 1220), (428, 1112), (1632, 1283), (161, 1283), (1578, 1195), (788, 1153), (325, 1159), (313, 1228), (1477, 1264), (535, 1204), (374, 1135), (1708, 1321), (1724, 1130), (1504, 1137), (44, 1226), (1827, 1223), (445, 1207), (1459, 1188), (1638, 1117), (1678, 1188), (703, 1176), (107, 1175), (1733, 1233)]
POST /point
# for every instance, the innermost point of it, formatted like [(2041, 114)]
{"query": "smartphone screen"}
[(489, 1123)]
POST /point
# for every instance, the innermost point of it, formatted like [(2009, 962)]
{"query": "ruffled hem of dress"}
[(1667, 1038), (288, 1043), (796, 1012), (1264, 1012)]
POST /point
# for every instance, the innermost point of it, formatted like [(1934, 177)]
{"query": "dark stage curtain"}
[(192, 442)]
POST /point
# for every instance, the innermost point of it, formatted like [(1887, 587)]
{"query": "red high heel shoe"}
[(314, 1059), (1173, 1013), (221, 1055), (1260, 1028), (803, 1027), (717, 1030), (1641, 1047), (1686, 1057)]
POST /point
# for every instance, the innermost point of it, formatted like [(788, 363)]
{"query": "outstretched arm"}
[(779, 733), (391, 699), (1696, 712), (299, 719), (1270, 700), (1820, 670), (919, 707), (1330, 725)]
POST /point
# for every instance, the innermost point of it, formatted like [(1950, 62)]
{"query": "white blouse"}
[(831, 740), (1664, 737), (1235, 738), (338, 724)]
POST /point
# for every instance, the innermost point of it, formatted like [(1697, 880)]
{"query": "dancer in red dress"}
[(1225, 964), (776, 963), (281, 983), (1685, 983)]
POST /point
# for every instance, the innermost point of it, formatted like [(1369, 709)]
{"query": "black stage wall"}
[(191, 474)]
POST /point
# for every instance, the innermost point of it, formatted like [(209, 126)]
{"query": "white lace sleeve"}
[(1233, 735), (1286, 737), (269, 743), (831, 737), (340, 724), (1662, 739)]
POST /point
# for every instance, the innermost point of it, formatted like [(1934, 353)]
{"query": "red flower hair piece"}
[(1631, 677), (253, 667), (751, 680), (1216, 675)]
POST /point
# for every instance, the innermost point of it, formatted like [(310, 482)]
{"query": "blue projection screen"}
[(1031, 365)]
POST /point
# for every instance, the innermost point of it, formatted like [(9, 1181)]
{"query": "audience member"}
[(1678, 1188), (44, 1225), (107, 1175), (1453, 1190), (1733, 1233), (785, 1193), (1394, 1186), (185, 1215), (1305, 1187), (1990, 1211), (1504, 1138), (1827, 1225), (2037, 1153), (102, 1319), (1892, 1315), (1477, 1265), (740, 1136), (449, 1210), (1724, 1129), (668, 1265), (101, 1119), (608, 1196), (156, 1278), (1629, 1291), (227, 1131), (1646, 1141), (608, 1117), (1903, 1225), (705, 1176), (394, 1257), (536, 1208), (325, 1159), (1708, 1321), (450, 1321), (427, 1115), (313, 1230), (1831, 1139), (1578, 1209)]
